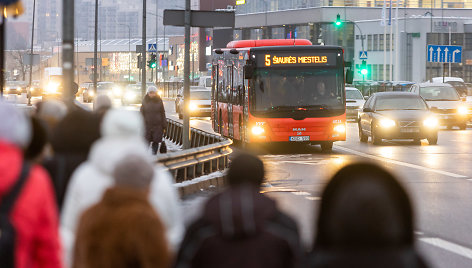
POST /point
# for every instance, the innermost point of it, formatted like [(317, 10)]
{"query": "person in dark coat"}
[(71, 142), (365, 220), (241, 227), (154, 117), (35, 152), (123, 230)]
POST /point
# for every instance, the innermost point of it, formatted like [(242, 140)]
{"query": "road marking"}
[(313, 198), (301, 193), (400, 163), (448, 246), (469, 179)]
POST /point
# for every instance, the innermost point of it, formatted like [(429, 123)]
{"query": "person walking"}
[(154, 117), (123, 230), (241, 227), (365, 220), (27, 202), (122, 134)]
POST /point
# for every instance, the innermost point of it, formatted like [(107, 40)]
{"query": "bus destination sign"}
[(270, 60)]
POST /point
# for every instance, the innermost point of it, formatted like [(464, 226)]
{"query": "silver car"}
[(354, 102)]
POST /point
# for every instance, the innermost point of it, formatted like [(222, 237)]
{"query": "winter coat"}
[(34, 215), (240, 228), (71, 142), (154, 118), (121, 231), (93, 177)]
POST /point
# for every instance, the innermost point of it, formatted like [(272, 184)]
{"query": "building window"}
[(369, 42), (278, 32), (381, 42), (376, 42)]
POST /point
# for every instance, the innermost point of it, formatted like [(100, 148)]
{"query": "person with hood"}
[(241, 227), (365, 220), (33, 213), (101, 104), (122, 134), (154, 117), (71, 142), (123, 230)]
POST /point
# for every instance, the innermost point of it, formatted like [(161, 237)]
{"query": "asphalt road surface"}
[(438, 179)]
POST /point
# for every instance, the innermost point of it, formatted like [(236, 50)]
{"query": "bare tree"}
[(18, 58)]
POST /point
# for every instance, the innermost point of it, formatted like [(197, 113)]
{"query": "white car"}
[(354, 102), (200, 103)]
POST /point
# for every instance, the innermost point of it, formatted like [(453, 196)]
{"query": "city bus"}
[(279, 90)]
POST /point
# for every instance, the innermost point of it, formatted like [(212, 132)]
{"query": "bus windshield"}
[(298, 90)]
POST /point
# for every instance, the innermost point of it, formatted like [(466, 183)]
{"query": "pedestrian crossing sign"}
[(152, 47), (362, 55)]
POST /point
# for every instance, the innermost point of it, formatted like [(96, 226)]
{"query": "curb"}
[(214, 183)]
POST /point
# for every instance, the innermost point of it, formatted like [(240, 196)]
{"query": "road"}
[(438, 178)]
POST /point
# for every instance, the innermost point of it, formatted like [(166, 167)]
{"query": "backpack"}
[(7, 230)]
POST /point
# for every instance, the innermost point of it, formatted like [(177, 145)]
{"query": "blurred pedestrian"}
[(51, 112), (123, 230), (122, 134), (32, 212), (154, 117), (36, 150), (101, 104), (365, 220), (71, 141), (241, 227)]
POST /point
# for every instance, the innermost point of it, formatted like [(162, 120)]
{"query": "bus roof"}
[(268, 43)]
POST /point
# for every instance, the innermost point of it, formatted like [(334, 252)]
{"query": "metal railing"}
[(209, 153)]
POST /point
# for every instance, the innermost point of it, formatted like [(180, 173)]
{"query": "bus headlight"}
[(431, 122), (192, 106), (387, 123), (339, 128), (52, 87), (257, 130), (462, 110)]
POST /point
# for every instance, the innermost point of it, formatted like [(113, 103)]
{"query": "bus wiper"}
[(282, 108), (314, 107)]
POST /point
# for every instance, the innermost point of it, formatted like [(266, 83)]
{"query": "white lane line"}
[(313, 198), (301, 193), (469, 180), (448, 246), (400, 163)]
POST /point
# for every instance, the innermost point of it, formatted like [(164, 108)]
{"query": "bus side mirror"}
[(248, 71), (349, 76)]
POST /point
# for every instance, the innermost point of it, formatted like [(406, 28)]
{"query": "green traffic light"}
[(153, 65), (338, 21), (364, 71)]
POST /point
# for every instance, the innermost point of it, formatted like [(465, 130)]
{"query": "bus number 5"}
[(267, 60)]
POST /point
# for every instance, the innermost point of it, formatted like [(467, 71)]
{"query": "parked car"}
[(36, 90), (354, 102), (445, 101), (200, 103), (397, 115)]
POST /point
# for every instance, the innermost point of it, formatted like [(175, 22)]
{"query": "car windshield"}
[(439, 93), (107, 86), (295, 89), (354, 95), (200, 95), (459, 86), (400, 103)]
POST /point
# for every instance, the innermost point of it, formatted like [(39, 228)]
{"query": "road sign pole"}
[(143, 55), (68, 50), (95, 49), (186, 132), (2, 54)]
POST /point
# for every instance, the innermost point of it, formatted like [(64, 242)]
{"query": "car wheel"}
[(362, 137), (463, 126), (326, 146), (433, 140), (376, 140)]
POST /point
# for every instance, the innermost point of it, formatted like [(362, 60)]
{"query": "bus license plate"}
[(299, 138)]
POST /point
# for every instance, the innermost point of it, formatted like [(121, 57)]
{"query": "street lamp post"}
[(129, 51), (31, 55)]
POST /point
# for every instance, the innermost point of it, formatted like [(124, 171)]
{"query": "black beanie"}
[(246, 168)]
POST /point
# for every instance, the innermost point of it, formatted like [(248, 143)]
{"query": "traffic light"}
[(338, 22), (364, 70), (152, 63)]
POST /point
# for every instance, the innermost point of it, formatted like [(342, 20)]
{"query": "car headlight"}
[(462, 110), (130, 96), (431, 122), (159, 92), (339, 128), (257, 130), (91, 93), (387, 123), (52, 87), (19, 89), (7, 89), (117, 91), (192, 106)]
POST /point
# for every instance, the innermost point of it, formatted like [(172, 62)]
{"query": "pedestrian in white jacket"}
[(122, 134)]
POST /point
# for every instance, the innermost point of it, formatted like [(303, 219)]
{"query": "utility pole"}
[(186, 131), (143, 53), (31, 56), (157, 42), (68, 31), (2, 54), (95, 48)]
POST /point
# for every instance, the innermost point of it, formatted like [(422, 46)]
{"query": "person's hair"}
[(102, 103), (364, 206), (133, 171), (246, 169)]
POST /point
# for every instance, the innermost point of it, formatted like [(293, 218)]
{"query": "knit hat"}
[(151, 89), (52, 111), (133, 171), (246, 169), (101, 102), (122, 123), (15, 127)]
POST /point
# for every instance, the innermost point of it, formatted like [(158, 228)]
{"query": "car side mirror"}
[(367, 110)]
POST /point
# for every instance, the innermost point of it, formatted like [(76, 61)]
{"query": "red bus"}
[(279, 90)]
